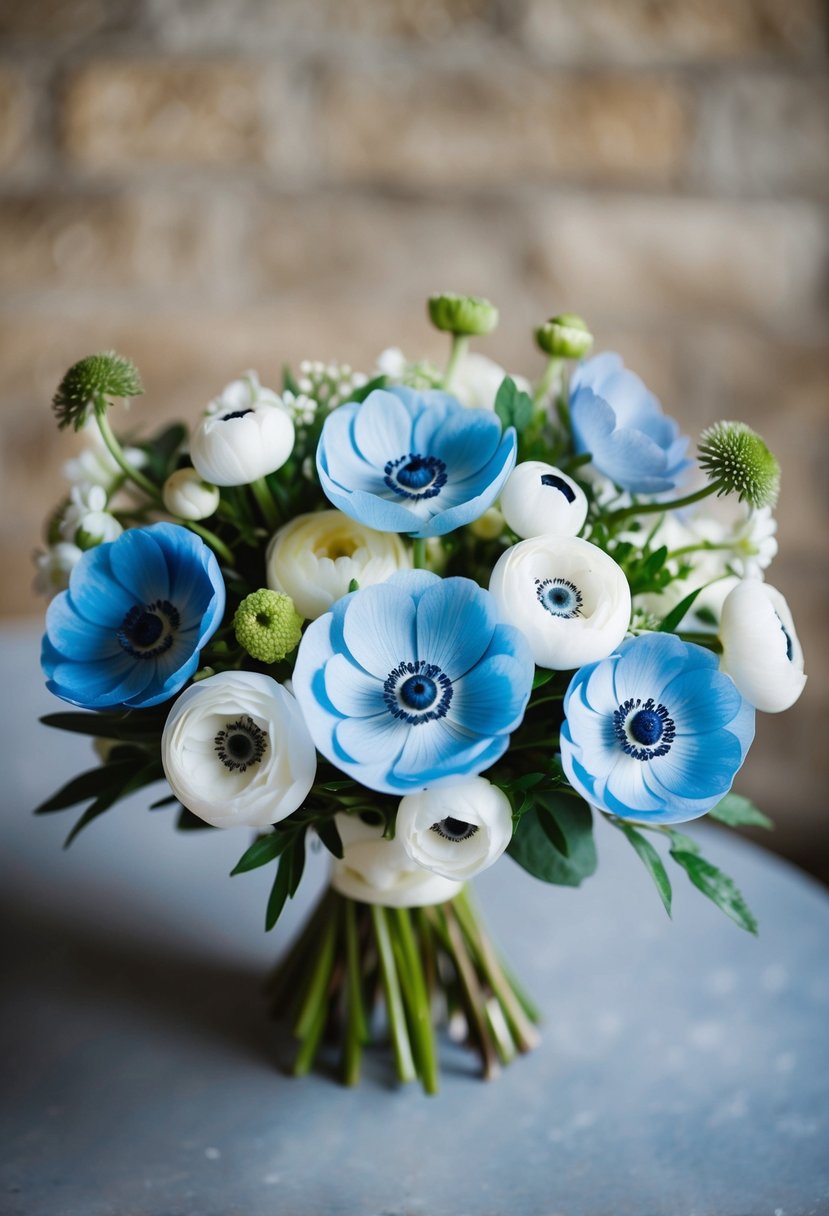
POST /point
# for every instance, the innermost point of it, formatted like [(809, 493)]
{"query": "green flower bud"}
[(267, 625), (90, 382), (734, 456), (465, 316), (564, 337)]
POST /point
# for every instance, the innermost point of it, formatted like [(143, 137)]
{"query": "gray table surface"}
[(684, 1068)]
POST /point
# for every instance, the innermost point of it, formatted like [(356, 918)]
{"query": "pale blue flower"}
[(137, 612), (412, 682), (654, 732), (415, 462), (620, 423)]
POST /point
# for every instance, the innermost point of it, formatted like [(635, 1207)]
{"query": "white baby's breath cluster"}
[(326, 384)]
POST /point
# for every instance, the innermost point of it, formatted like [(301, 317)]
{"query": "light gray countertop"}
[(684, 1069)]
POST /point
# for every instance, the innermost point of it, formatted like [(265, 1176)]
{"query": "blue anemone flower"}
[(138, 610), (412, 682), (654, 732), (620, 423), (415, 462)]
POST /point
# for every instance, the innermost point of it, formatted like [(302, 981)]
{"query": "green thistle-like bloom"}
[(564, 337), (267, 625), (736, 459), (90, 382), (466, 316)]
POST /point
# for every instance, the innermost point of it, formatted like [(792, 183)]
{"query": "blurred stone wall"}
[(208, 185)]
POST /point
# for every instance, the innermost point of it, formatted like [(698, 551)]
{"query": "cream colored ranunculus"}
[(375, 870), (315, 558)]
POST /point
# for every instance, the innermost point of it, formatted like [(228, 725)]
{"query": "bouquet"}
[(424, 618)]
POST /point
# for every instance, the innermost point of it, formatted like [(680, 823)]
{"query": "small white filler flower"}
[(187, 495), (236, 750), (315, 557), (245, 434), (375, 870), (761, 650), (456, 832), (540, 500), (569, 599)]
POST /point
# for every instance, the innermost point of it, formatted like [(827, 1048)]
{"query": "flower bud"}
[(466, 316), (761, 651), (245, 434), (267, 625), (187, 495), (539, 500), (734, 457), (564, 337)]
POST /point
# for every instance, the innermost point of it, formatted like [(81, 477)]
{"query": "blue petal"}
[(466, 441), (98, 685), (163, 687), (488, 483), (414, 582), (382, 428), (369, 509), (600, 691), (96, 594), (698, 766), (351, 691), (648, 663), (626, 791), (455, 622), (137, 561), (701, 700), (433, 750), (379, 628), (593, 373), (340, 459), (75, 637), (490, 699), (376, 742), (591, 733)]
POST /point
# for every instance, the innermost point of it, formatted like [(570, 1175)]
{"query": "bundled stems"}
[(361, 971)]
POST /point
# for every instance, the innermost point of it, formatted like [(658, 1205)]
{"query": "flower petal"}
[(382, 428), (76, 638), (491, 698), (139, 565), (455, 622), (351, 691), (701, 700), (96, 595), (379, 629)]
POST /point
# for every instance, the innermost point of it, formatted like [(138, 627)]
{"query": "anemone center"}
[(417, 692), (240, 745), (559, 597), (415, 476), (148, 630), (643, 729), (558, 483), (788, 637), (236, 414), (454, 829)]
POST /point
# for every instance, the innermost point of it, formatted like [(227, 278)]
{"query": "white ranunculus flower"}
[(85, 521), (540, 500), (245, 434), (456, 832), (314, 558), (476, 381), (236, 751), (570, 600), (54, 567), (761, 651), (187, 495), (379, 871)]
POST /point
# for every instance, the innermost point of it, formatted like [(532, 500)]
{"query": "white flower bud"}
[(570, 600), (476, 381), (375, 870), (245, 434), (236, 750), (456, 832), (86, 521), (761, 651), (315, 557), (540, 500), (187, 495), (54, 567)]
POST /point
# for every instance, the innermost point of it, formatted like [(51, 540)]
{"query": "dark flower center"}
[(236, 414), (148, 629), (789, 642), (241, 744), (559, 596), (454, 829), (417, 692), (558, 483), (644, 730), (415, 476)]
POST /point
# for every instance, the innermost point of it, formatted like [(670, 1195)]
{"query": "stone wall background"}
[(208, 185)]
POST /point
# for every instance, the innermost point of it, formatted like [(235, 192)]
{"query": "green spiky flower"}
[(736, 459), (91, 383), (267, 625), (564, 337), (466, 316)]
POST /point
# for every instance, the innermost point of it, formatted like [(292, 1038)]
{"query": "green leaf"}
[(718, 887), (88, 785), (553, 831), (329, 834), (670, 622), (532, 848), (167, 800), (655, 561), (145, 776), (162, 450), (263, 850), (188, 822), (296, 860), (651, 860), (541, 677), (360, 394), (679, 841), (278, 895), (738, 812), (527, 781), (107, 726), (513, 407)]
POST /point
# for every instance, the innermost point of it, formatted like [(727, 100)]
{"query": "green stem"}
[(419, 1006), (394, 998), (709, 640), (262, 493), (319, 979), (356, 1026), (549, 383), (647, 508), (117, 453), (419, 553), (460, 345), (212, 540), (473, 993)]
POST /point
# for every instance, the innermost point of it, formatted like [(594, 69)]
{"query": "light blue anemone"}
[(138, 610), (620, 423), (412, 683), (415, 462), (655, 732)]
